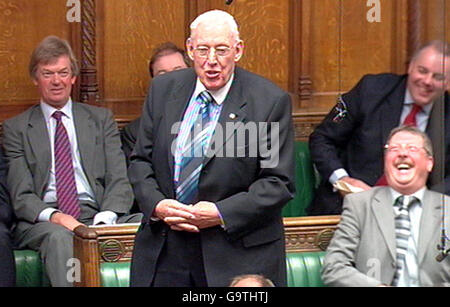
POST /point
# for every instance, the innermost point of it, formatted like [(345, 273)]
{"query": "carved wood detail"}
[(88, 71), (414, 26), (95, 245)]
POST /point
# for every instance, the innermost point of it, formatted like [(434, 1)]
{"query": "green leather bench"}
[(29, 269), (303, 270), (306, 180)]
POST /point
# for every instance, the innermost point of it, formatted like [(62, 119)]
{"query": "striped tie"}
[(402, 234), (66, 189), (193, 153)]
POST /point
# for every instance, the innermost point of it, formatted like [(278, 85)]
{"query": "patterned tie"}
[(66, 189), (410, 120), (193, 153), (402, 234)]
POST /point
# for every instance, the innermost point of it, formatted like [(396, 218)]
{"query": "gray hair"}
[(259, 279), (216, 17), (49, 50), (438, 45), (427, 145)]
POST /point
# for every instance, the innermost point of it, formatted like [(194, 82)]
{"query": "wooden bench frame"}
[(96, 245)]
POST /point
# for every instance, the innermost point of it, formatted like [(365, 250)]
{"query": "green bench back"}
[(304, 269), (306, 180)]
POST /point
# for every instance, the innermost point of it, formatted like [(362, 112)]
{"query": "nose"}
[(212, 57), (428, 79), (56, 78)]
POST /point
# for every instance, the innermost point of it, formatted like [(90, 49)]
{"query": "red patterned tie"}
[(66, 188), (410, 120)]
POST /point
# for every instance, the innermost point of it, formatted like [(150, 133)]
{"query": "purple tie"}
[(66, 188)]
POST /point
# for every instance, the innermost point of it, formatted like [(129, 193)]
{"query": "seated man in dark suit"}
[(7, 267), (388, 235), (346, 146), (166, 57), (66, 164)]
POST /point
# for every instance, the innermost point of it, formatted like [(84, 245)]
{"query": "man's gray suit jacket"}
[(363, 249)]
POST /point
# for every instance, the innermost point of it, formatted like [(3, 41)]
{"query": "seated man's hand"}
[(65, 220), (356, 183)]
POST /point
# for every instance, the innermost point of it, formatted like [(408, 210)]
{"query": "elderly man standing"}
[(66, 165), (388, 235), (212, 210)]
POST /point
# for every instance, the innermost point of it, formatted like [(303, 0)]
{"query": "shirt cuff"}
[(105, 217), (337, 174), (222, 222), (46, 214)]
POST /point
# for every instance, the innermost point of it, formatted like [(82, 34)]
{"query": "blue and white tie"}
[(193, 153)]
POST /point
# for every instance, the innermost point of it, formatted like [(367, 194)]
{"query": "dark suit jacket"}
[(355, 141), (6, 212), (249, 198), (27, 148), (128, 137)]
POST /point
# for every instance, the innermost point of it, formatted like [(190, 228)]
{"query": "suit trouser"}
[(180, 263), (7, 265), (55, 244)]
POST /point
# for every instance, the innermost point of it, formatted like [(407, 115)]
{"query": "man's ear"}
[(190, 49), (239, 51), (430, 164)]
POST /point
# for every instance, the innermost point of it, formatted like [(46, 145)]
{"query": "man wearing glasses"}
[(208, 216), (388, 235), (346, 146)]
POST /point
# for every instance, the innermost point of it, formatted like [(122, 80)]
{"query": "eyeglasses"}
[(50, 74), (396, 148), (221, 51)]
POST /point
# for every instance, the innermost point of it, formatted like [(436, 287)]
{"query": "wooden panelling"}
[(23, 24), (131, 29), (315, 49), (345, 45)]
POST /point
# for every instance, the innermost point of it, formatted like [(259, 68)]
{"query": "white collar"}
[(48, 110), (409, 100), (419, 194), (219, 95)]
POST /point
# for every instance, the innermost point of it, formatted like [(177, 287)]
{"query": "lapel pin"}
[(233, 116)]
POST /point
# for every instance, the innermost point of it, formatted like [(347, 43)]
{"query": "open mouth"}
[(403, 167), (212, 74)]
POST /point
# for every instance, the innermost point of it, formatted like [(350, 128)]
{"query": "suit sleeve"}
[(26, 203), (118, 195), (6, 213), (141, 171), (273, 186), (330, 138), (339, 264), (128, 137)]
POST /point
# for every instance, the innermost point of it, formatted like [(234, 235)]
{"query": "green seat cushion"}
[(304, 269), (115, 274), (29, 269)]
